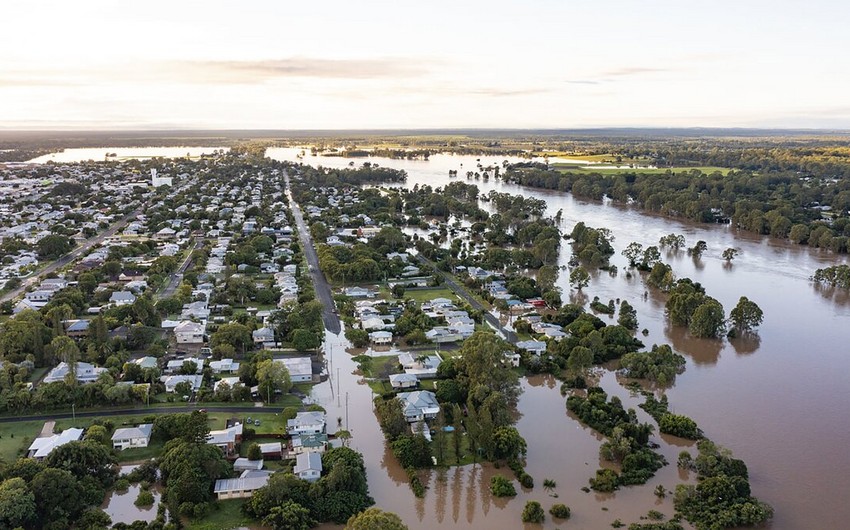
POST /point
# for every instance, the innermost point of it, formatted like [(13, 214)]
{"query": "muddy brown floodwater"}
[(780, 401)]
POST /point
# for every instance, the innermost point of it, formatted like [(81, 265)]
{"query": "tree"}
[(57, 495), (98, 434), (673, 241), (272, 377), (501, 486), (579, 277), (234, 334), (254, 452), (17, 504), (289, 516), (708, 320), (375, 519), (85, 459), (628, 316), (697, 250), (533, 513), (633, 252), (53, 246), (746, 315), (560, 511), (94, 519), (729, 254), (580, 359), (305, 340), (359, 338)]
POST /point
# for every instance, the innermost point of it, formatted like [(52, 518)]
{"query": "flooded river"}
[(780, 402)]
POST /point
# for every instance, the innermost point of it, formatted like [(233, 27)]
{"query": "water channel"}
[(781, 402)]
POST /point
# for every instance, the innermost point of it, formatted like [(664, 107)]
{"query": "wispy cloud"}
[(222, 72), (617, 74), (632, 71)]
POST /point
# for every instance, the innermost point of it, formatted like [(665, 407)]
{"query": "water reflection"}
[(746, 343), (702, 351)]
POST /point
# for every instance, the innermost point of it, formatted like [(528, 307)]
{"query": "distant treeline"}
[(807, 210)]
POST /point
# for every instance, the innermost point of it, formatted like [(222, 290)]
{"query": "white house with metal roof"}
[(130, 437)]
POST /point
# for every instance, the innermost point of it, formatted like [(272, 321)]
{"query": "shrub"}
[(145, 498), (561, 511), (500, 486), (606, 480), (533, 513), (122, 485)]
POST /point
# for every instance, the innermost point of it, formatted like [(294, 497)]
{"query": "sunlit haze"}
[(437, 64)]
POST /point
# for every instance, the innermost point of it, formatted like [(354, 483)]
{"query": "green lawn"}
[(224, 515), (426, 295), (379, 367), (141, 453), (16, 437), (38, 373), (466, 456)]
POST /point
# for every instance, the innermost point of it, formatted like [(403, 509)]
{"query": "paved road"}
[(177, 276), (73, 255), (460, 290), (320, 284), (128, 411)]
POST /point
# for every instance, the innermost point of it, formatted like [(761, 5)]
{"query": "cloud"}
[(221, 72), (632, 71), (611, 76), (265, 70)]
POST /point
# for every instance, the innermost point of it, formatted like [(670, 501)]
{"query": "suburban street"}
[(323, 290), (71, 256), (461, 291), (177, 276), (136, 410)]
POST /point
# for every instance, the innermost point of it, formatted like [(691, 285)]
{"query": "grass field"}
[(225, 515), (16, 437), (426, 295)]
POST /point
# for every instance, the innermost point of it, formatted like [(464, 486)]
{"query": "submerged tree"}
[(746, 316)]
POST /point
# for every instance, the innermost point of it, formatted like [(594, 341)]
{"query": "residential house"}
[(263, 336), (309, 443), (271, 451), (300, 368), (419, 405), (381, 337), (226, 439), (132, 437), (224, 366), (188, 332), (242, 487), (77, 328), (536, 347), (174, 366), (358, 292), (399, 381), (120, 298), (229, 381), (171, 381), (244, 464), (306, 423), (423, 367), (308, 466), (85, 373), (147, 362), (40, 448)]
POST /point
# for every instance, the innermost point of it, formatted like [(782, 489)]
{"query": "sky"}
[(436, 64)]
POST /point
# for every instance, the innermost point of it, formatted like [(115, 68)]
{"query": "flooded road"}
[(779, 401)]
